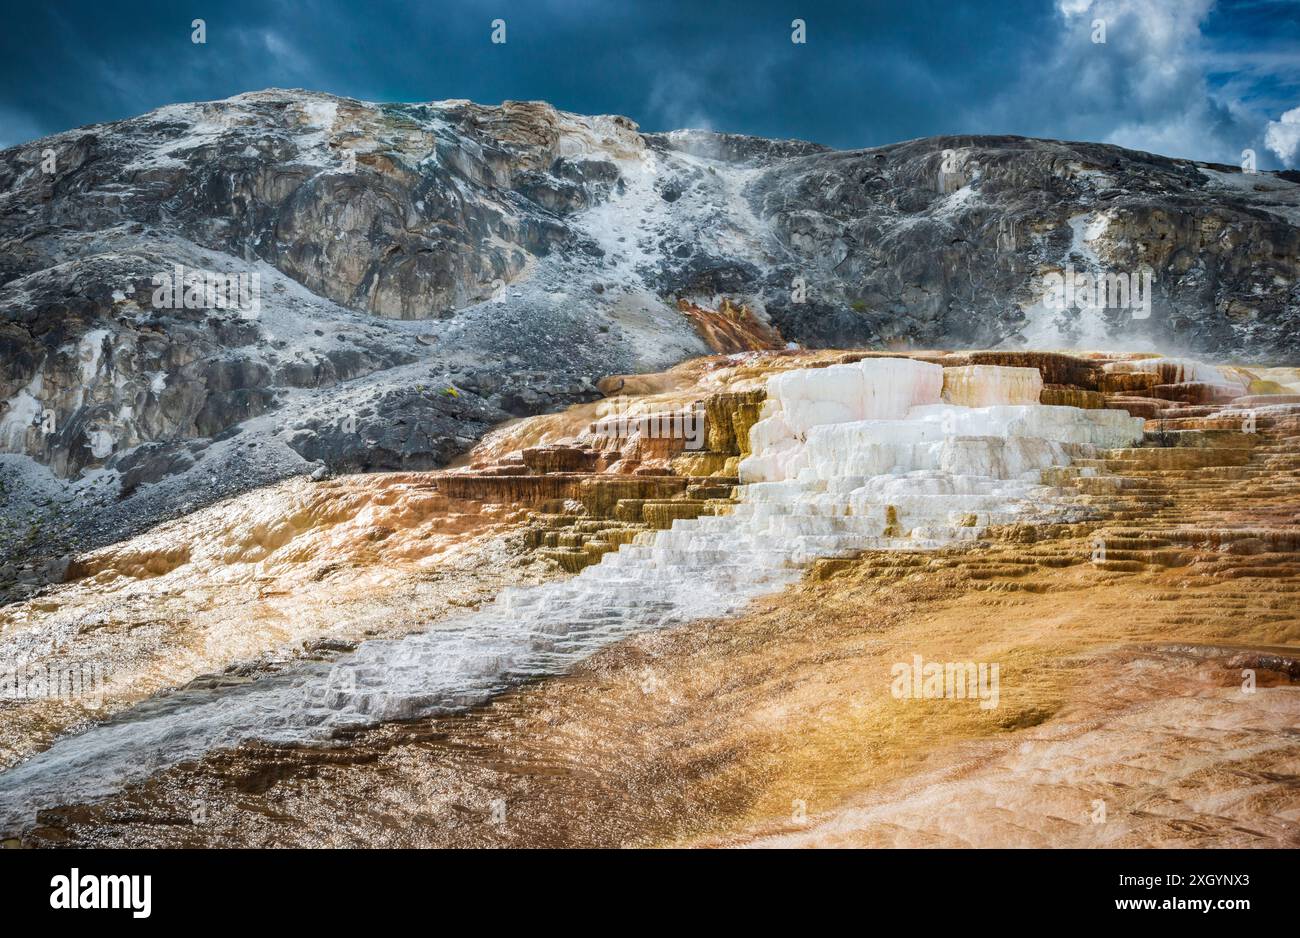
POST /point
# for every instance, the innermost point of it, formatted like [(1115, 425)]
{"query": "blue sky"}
[(1193, 78)]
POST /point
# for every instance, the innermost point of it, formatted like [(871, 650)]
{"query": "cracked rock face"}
[(423, 271)]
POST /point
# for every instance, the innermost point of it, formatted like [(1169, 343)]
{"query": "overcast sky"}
[(1191, 78)]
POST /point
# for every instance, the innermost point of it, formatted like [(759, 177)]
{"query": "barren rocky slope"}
[(429, 270)]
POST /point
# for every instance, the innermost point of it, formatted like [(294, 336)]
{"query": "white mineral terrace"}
[(846, 458)]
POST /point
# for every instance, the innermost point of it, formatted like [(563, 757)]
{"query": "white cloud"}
[(1283, 136), (1073, 7), (1152, 65)]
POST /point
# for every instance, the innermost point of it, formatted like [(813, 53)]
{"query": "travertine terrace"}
[(713, 618)]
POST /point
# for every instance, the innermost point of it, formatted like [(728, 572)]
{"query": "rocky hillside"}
[(422, 272)]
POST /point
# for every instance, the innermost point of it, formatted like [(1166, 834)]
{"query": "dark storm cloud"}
[(1185, 77)]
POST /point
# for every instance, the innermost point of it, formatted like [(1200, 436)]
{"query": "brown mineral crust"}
[(731, 327)]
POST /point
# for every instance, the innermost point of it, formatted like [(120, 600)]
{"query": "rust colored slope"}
[(731, 327)]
